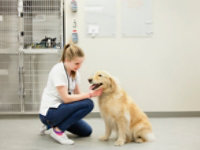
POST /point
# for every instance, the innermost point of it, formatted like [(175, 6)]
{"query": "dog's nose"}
[(90, 80)]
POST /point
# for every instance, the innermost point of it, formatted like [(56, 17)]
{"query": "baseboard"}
[(161, 114), (97, 114), (174, 114)]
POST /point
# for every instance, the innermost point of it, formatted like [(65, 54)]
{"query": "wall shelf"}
[(40, 51)]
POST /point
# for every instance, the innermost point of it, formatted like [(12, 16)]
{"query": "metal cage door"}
[(9, 60), (31, 39), (41, 42)]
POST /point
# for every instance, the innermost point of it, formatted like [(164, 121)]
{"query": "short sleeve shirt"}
[(57, 77)]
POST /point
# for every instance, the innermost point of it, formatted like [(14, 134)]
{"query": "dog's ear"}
[(113, 84)]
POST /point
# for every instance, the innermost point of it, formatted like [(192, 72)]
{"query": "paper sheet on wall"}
[(100, 18), (137, 18)]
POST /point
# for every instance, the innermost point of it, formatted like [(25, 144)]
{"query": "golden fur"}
[(120, 113)]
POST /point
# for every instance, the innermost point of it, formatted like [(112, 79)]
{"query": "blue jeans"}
[(69, 117)]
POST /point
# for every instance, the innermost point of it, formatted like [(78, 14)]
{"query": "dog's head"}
[(103, 80)]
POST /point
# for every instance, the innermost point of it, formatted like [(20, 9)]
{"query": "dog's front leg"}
[(121, 127), (108, 131)]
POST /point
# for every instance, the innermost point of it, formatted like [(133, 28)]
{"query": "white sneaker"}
[(63, 139), (43, 129)]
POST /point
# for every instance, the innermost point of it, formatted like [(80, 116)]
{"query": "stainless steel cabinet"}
[(31, 39)]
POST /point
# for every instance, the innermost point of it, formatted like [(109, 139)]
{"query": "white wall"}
[(161, 73)]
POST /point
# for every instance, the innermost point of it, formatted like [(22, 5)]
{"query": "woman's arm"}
[(77, 90), (62, 90)]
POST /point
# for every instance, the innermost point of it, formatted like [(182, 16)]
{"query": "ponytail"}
[(70, 52), (64, 51)]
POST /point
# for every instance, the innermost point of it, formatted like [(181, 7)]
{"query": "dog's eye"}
[(100, 75)]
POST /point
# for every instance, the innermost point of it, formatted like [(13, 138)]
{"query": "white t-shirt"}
[(50, 96)]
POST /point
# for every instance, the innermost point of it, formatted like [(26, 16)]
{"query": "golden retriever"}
[(119, 112)]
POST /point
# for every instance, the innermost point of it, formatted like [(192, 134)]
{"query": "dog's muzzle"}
[(95, 86)]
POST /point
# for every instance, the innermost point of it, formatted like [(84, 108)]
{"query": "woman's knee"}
[(89, 103), (89, 132), (86, 133), (80, 128)]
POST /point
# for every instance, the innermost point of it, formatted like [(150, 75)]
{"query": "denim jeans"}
[(69, 117)]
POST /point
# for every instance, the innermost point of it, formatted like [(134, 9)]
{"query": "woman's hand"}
[(94, 93)]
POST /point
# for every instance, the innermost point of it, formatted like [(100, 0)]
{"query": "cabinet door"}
[(36, 69), (9, 24), (9, 66), (42, 28), (9, 81)]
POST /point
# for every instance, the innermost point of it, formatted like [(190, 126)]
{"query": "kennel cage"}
[(42, 24), (9, 24), (31, 39)]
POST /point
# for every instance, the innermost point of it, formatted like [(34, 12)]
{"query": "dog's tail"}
[(148, 136), (143, 133)]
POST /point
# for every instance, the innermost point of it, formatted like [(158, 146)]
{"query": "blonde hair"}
[(70, 52)]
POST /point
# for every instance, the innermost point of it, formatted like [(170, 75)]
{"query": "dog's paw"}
[(139, 140), (119, 142), (103, 138)]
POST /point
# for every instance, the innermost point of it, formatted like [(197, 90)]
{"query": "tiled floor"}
[(171, 134)]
